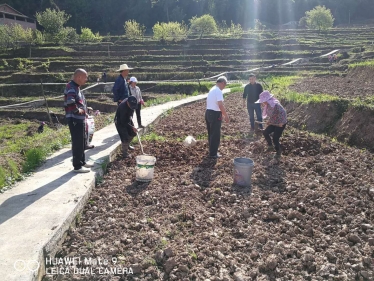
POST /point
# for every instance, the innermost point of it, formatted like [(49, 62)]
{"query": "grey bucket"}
[(243, 168)]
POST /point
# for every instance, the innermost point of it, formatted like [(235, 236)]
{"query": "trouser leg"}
[(251, 113), (278, 131), (138, 117), (207, 127), (77, 132), (267, 132), (215, 122), (258, 113)]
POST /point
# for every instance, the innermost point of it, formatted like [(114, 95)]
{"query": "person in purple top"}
[(276, 123)]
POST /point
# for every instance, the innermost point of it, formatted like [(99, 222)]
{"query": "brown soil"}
[(307, 217), (358, 83)]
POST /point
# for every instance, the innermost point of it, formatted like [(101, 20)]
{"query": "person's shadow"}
[(136, 188), (203, 173), (272, 177), (16, 204)]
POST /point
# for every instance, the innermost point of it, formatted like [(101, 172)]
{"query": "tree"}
[(134, 30), (169, 31), (203, 25), (52, 20), (319, 18)]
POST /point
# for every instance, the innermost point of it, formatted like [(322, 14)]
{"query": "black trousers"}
[(126, 133), (77, 132), (138, 117), (213, 121), (277, 133)]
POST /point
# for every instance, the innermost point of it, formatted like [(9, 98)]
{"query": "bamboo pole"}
[(46, 103)]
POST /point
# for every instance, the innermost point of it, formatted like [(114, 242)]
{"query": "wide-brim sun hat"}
[(123, 67), (133, 79), (264, 96)]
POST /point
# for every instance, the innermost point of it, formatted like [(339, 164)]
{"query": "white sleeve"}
[(219, 96)]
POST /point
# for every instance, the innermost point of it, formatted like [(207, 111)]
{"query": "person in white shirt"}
[(135, 91), (215, 111)]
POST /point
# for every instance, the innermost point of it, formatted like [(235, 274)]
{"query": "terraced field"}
[(194, 60)]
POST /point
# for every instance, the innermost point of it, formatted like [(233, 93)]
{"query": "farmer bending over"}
[(123, 121), (277, 120)]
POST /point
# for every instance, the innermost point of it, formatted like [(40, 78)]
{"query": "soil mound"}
[(358, 83)]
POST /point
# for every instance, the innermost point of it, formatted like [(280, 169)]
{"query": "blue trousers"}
[(252, 108)]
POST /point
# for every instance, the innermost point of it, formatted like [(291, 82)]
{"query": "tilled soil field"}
[(357, 84), (306, 217)]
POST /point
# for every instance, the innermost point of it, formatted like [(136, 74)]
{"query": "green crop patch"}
[(368, 63)]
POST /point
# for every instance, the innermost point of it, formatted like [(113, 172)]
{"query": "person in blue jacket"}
[(120, 88)]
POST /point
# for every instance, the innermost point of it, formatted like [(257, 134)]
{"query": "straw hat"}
[(123, 67)]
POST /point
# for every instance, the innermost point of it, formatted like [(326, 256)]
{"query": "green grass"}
[(281, 91), (233, 86), (368, 63), (28, 151), (237, 89), (152, 136), (305, 98), (162, 100)]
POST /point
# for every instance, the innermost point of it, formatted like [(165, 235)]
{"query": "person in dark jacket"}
[(75, 114), (120, 88), (124, 124), (251, 94)]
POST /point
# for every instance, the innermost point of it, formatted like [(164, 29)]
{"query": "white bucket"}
[(145, 167), (243, 168)]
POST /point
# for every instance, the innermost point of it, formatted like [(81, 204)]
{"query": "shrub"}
[(38, 37), (34, 157), (88, 36), (234, 30), (71, 35), (133, 30), (259, 25), (357, 50), (203, 25), (169, 31)]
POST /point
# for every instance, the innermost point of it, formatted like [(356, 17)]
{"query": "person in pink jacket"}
[(276, 123)]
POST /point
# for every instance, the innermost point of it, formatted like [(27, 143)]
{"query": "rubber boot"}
[(278, 154), (125, 148), (270, 148)]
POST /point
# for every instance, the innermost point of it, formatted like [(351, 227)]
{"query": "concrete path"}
[(37, 212)]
